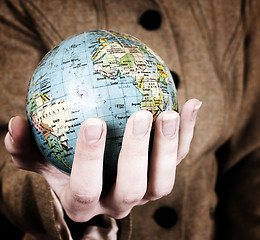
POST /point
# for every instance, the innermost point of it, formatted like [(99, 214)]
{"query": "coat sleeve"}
[(25, 197)]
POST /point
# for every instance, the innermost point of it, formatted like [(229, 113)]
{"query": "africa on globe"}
[(101, 74)]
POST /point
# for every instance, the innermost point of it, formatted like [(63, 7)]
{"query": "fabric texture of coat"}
[(213, 49)]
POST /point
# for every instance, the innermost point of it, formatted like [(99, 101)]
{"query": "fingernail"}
[(10, 130), (93, 130), (142, 123), (169, 124), (195, 111)]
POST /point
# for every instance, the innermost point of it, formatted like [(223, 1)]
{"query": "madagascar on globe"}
[(95, 74)]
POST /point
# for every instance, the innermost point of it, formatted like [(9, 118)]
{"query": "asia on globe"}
[(101, 74)]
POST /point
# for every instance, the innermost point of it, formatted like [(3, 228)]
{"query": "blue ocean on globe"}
[(101, 74)]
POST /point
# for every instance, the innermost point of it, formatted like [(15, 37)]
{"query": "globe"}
[(101, 74)]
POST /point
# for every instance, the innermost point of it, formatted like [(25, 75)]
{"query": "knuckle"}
[(93, 154), (85, 198), (132, 199), (134, 151), (159, 193)]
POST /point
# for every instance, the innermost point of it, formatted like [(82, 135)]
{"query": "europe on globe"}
[(101, 74)]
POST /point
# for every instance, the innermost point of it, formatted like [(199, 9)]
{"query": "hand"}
[(80, 193)]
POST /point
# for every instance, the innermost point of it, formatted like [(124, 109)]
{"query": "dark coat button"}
[(165, 217), (176, 79), (151, 20)]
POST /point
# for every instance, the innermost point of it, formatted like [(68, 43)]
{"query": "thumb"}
[(18, 143)]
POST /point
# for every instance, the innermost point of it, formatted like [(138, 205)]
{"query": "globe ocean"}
[(94, 74)]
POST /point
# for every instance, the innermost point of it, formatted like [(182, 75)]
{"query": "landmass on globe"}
[(95, 74)]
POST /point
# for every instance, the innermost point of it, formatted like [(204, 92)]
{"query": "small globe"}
[(94, 74)]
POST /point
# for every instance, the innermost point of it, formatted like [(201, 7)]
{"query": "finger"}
[(18, 137), (131, 182), (187, 123), (84, 189), (18, 143), (162, 164)]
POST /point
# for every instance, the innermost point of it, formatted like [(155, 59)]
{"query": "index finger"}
[(85, 186)]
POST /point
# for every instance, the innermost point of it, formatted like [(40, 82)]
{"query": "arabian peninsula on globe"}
[(94, 74)]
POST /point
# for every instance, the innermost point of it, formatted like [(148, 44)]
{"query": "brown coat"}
[(214, 48)]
